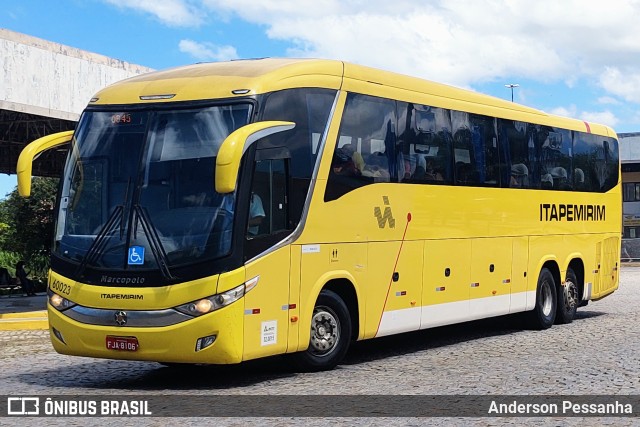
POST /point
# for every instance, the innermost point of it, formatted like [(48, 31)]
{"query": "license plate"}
[(122, 343)]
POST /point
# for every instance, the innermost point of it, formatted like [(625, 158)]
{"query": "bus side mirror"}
[(235, 145), (31, 152)]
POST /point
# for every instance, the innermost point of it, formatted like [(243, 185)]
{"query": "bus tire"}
[(568, 299), (544, 313), (330, 334)]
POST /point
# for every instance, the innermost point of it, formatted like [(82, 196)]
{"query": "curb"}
[(33, 320)]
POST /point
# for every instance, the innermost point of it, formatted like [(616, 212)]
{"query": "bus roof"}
[(225, 80), (240, 78)]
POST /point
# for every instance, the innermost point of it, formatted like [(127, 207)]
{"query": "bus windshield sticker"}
[(136, 255)]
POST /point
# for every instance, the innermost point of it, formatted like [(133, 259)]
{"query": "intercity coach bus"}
[(218, 213)]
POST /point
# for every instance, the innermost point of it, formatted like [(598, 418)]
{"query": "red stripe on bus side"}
[(394, 269), (588, 127)]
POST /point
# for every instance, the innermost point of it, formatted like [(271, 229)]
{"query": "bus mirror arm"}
[(31, 152), (235, 145)]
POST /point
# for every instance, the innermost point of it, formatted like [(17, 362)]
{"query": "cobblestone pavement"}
[(599, 353)]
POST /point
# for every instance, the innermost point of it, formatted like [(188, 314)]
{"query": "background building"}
[(630, 159), (44, 86)]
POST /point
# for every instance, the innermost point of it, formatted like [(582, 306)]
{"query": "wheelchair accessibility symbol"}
[(136, 255)]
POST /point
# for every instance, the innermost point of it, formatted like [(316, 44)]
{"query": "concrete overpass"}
[(44, 86)]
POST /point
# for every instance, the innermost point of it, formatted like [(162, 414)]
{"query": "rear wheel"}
[(568, 299), (544, 313), (330, 334)]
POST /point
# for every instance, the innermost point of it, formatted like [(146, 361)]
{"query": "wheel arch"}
[(347, 291), (543, 313), (553, 267), (577, 265), (324, 348), (345, 286)]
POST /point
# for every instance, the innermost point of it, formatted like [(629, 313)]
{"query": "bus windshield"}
[(138, 190)]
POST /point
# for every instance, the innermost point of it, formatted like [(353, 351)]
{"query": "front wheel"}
[(568, 299), (330, 334), (544, 313)]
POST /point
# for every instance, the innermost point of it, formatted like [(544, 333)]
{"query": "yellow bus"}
[(218, 213)]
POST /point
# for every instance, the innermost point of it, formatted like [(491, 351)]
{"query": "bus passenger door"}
[(490, 286), (445, 294), (266, 314)]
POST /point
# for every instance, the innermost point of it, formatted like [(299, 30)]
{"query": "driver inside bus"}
[(256, 215)]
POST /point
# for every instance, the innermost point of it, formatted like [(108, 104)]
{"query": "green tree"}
[(4, 230), (26, 224)]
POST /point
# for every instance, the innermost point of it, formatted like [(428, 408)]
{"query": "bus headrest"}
[(519, 169)]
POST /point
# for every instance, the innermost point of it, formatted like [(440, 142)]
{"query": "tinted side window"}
[(267, 213), (485, 143), (366, 148), (309, 108), (556, 158), (515, 154), (596, 162), (475, 148), (425, 155), (267, 222)]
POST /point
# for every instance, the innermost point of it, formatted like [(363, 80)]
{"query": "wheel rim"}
[(570, 296), (547, 299), (325, 331)]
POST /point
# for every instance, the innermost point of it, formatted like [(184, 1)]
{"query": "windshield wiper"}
[(154, 241), (101, 240)]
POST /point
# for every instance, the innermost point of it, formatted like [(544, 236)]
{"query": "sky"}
[(574, 58)]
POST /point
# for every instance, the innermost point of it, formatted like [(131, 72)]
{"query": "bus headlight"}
[(215, 302), (59, 302)]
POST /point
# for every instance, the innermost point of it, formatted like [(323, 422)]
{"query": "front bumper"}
[(172, 344)]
